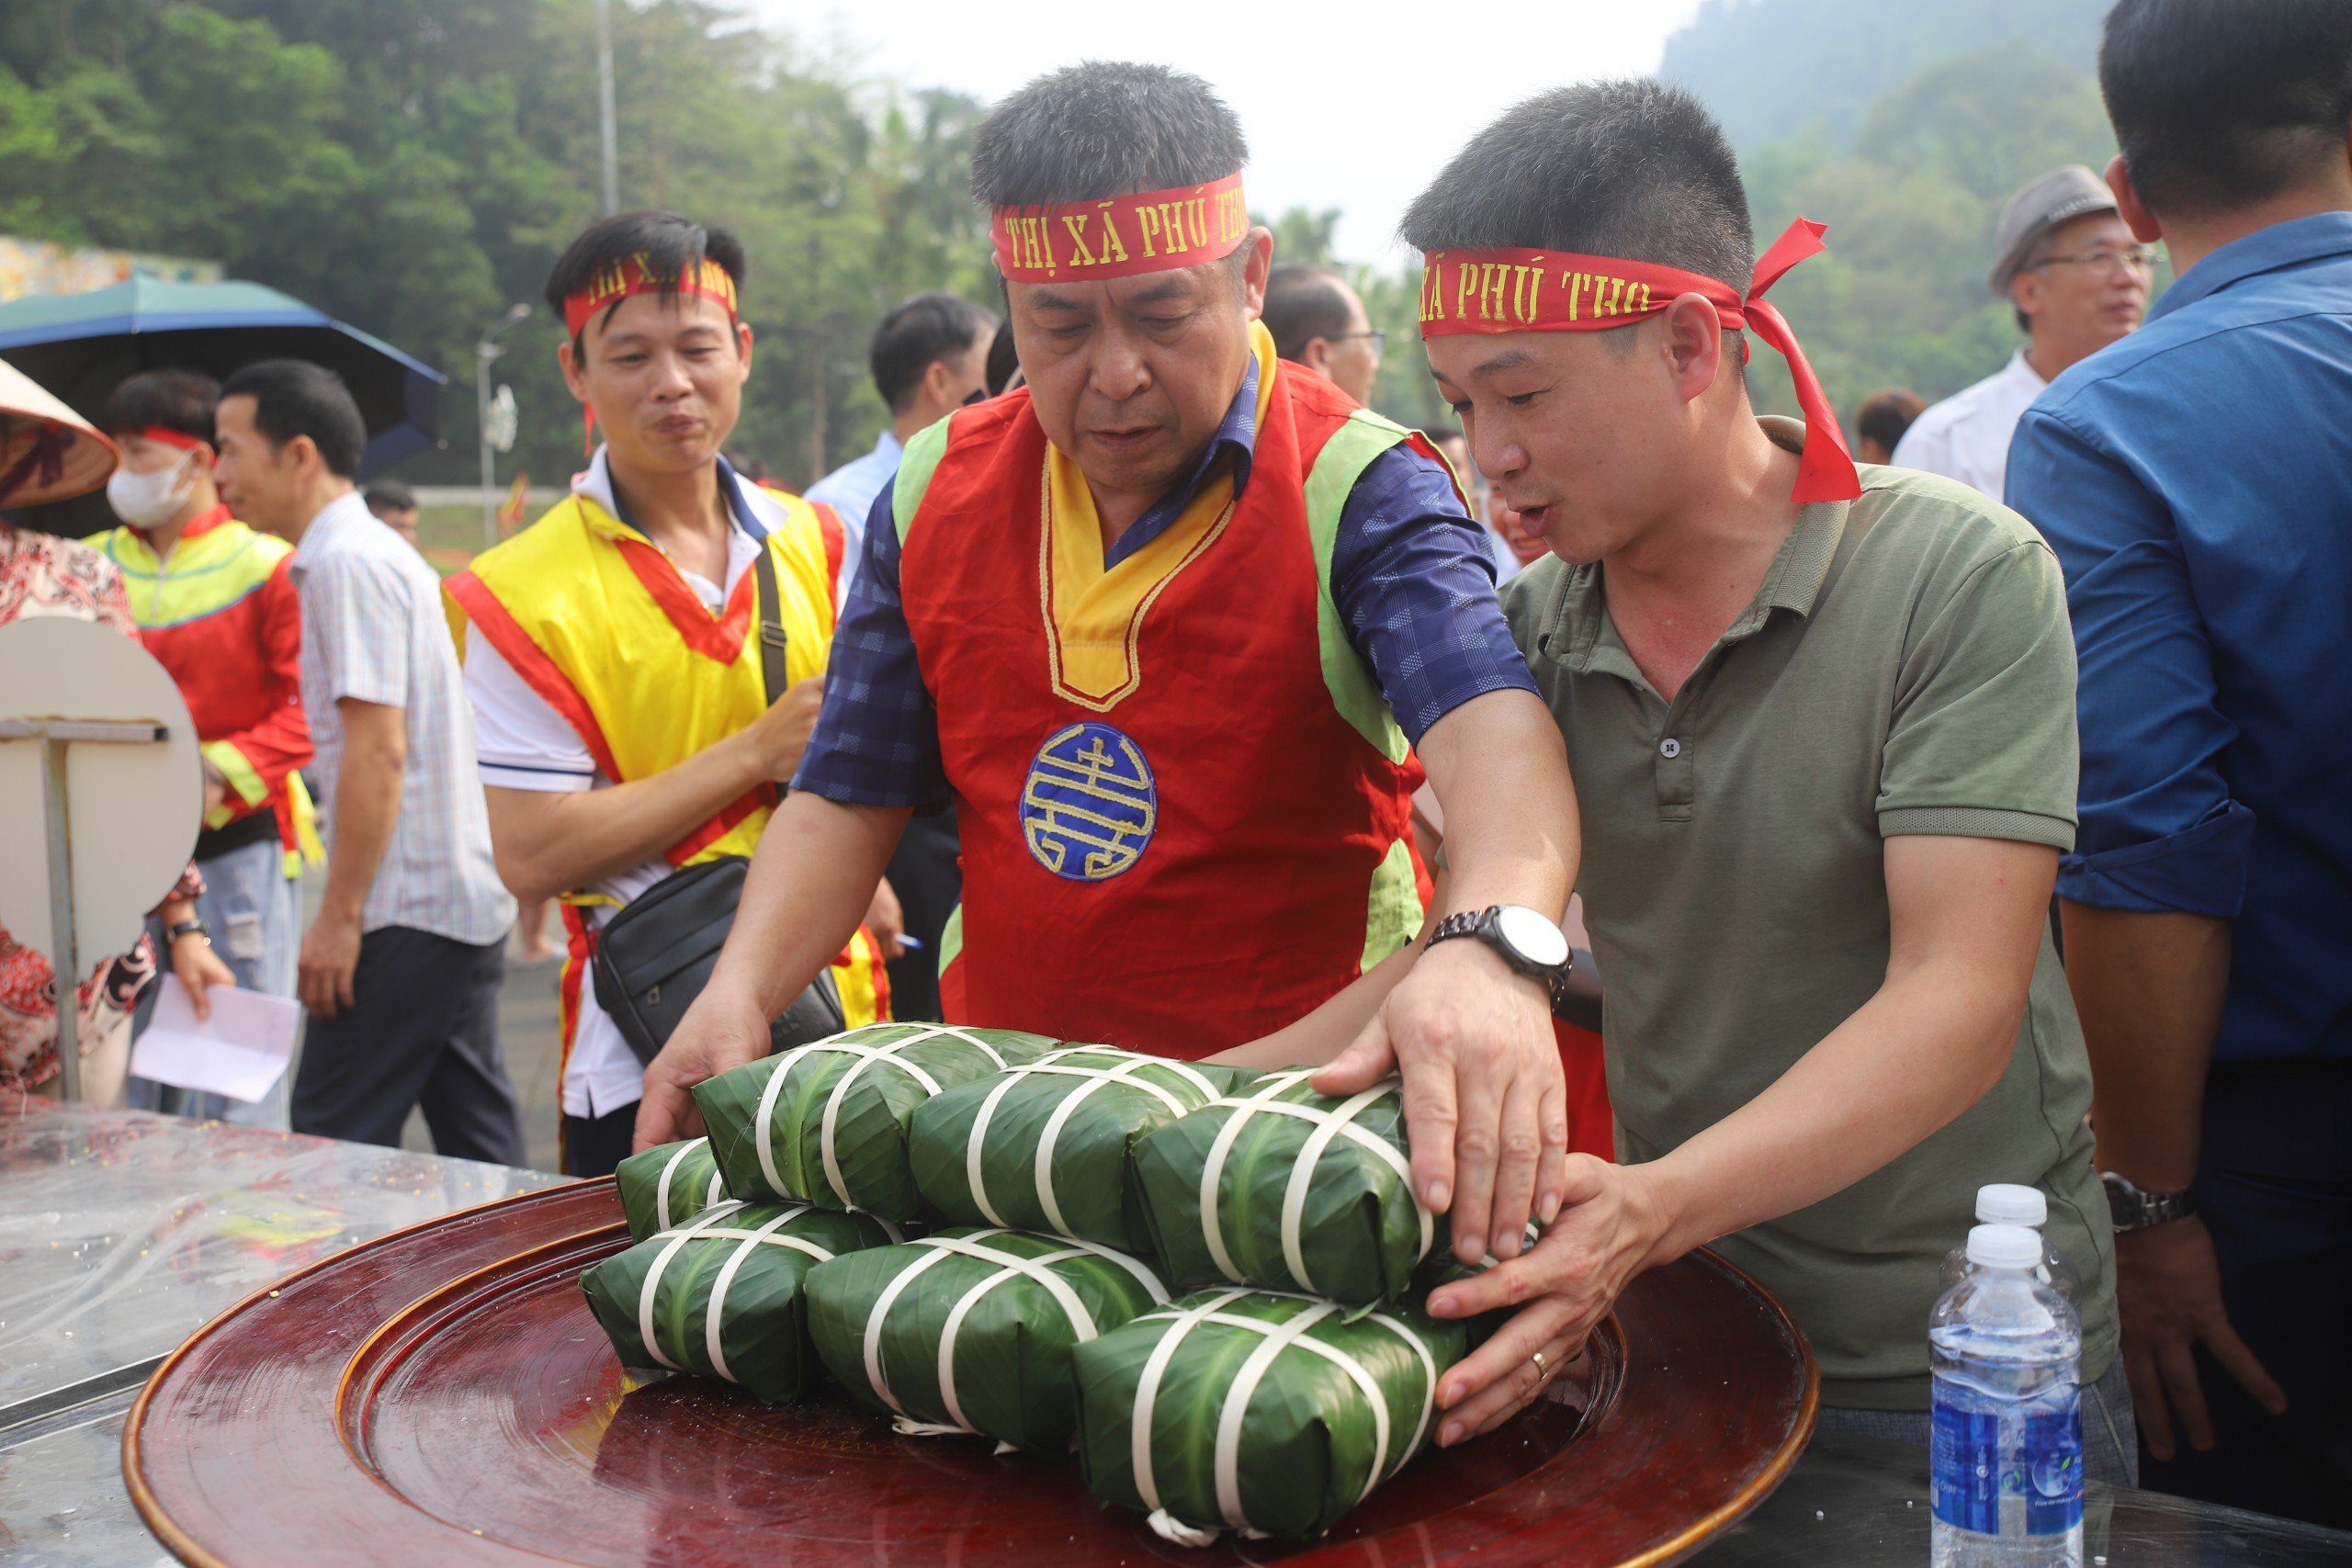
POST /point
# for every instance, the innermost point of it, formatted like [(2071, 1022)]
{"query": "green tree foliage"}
[(414, 167), (1900, 299)]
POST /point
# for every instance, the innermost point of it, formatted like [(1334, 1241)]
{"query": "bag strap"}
[(772, 640)]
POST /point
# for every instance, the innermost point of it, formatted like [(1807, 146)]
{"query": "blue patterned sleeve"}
[(877, 742), (1413, 582)]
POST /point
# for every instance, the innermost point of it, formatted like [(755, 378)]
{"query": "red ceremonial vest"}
[(1209, 851)]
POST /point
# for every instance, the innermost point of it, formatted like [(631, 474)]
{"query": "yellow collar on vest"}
[(1095, 615)]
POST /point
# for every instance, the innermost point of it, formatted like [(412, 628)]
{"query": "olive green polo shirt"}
[(1906, 667)]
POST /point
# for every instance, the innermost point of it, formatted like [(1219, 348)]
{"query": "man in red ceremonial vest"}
[(612, 650), (1168, 627)]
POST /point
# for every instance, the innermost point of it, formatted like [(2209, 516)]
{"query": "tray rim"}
[(1694, 1534), (1767, 1481), (175, 1539)]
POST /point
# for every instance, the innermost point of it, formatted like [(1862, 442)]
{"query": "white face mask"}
[(143, 501)]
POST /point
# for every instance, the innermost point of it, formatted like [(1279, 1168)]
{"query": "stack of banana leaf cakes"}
[(1205, 1281)]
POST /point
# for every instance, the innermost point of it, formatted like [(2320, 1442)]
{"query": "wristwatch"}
[(2133, 1210), (1527, 940), (194, 924)]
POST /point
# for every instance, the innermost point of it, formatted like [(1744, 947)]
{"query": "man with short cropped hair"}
[(1319, 322), (1880, 421), (400, 969), (2195, 481), (394, 505), (1169, 626), (930, 357), (2077, 280), (1823, 726)]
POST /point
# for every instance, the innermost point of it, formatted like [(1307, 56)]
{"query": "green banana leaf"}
[(1258, 1411), (666, 1187), (1044, 1147), (827, 1124), (722, 1295), (1301, 1192), (998, 1310)]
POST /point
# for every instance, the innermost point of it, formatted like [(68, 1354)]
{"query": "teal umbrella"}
[(81, 346)]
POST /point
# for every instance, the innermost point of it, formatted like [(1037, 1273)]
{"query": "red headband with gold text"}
[(616, 281), (1549, 291), (166, 436), (1119, 236)]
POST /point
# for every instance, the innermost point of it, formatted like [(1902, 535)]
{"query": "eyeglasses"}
[(2137, 258), (1379, 336)]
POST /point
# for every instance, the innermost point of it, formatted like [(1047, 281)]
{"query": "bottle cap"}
[(2004, 1247), (2006, 1204)]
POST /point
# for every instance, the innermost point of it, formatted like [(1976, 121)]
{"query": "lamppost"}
[(607, 135), (486, 351)]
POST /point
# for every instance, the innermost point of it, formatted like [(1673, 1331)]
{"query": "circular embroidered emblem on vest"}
[(1090, 806)]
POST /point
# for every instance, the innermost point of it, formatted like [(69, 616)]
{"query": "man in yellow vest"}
[(612, 649)]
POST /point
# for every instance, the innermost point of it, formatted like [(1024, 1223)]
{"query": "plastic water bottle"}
[(2006, 1447), (2008, 1204)]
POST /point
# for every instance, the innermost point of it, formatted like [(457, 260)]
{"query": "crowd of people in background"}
[(1838, 730)]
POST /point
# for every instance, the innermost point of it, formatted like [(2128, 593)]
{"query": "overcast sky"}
[(1353, 104)]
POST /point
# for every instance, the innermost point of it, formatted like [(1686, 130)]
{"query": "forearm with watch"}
[(179, 918), (1512, 837), (2148, 986)]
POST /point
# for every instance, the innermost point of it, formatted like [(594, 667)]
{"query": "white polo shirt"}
[(1966, 436), (522, 743)]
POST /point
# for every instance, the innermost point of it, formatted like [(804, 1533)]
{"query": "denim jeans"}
[(253, 911)]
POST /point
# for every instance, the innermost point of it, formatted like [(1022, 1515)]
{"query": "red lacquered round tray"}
[(441, 1395)]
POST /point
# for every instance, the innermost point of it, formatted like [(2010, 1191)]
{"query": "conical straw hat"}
[(47, 451)]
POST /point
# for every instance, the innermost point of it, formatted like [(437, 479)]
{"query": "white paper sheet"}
[(240, 1051)]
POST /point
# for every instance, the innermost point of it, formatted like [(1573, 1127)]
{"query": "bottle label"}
[(1964, 1469), (2035, 1469), (2053, 1470)]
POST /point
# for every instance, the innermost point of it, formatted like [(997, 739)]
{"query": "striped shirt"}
[(373, 631)]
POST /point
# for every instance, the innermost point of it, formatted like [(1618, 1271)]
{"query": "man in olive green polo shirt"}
[(1822, 724)]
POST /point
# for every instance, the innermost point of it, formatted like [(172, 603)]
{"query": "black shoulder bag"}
[(654, 957)]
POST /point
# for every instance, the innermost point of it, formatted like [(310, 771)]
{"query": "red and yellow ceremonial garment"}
[(1184, 804), (221, 615), (602, 626)]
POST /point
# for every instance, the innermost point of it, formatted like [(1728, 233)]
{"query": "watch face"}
[(1532, 936)]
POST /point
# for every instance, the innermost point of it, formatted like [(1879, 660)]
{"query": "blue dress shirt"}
[(1409, 574), (850, 490), (2195, 481)]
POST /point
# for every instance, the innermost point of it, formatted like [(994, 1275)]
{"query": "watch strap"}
[(197, 926), (1487, 926), (2133, 1209)]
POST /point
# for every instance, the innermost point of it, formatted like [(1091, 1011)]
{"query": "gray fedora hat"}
[(2041, 207)]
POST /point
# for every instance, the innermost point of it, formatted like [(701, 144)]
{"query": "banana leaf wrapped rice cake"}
[(662, 1187), (722, 1295), (1044, 1145), (826, 1124), (971, 1330), (1276, 1186), (1263, 1412)]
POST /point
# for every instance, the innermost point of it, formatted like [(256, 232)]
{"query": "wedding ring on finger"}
[(1544, 1368)]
